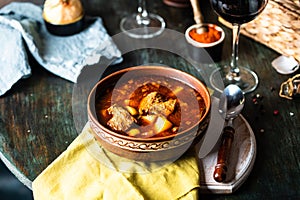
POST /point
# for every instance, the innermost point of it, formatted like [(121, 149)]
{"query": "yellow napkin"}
[(78, 174)]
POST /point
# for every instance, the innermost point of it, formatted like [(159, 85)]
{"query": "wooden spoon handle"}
[(223, 154), (198, 17)]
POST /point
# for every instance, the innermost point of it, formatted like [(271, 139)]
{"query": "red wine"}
[(238, 11)]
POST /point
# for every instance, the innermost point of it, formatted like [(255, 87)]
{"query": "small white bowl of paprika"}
[(205, 46)]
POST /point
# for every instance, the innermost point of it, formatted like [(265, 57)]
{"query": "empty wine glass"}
[(236, 12), (142, 24)]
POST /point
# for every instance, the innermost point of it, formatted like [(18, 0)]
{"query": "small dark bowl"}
[(65, 29), (149, 149)]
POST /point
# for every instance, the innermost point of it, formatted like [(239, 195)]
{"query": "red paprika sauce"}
[(212, 35)]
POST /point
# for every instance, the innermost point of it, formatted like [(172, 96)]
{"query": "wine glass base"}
[(132, 28), (248, 79)]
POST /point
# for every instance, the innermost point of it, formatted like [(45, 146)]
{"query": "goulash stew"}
[(149, 106)]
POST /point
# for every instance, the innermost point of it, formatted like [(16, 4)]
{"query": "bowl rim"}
[(199, 44), (93, 118)]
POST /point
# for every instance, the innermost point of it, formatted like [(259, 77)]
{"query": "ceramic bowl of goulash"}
[(151, 113)]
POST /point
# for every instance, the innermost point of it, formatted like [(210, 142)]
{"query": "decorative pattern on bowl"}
[(148, 146)]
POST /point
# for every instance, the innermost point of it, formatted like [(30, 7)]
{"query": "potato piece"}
[(131, 110), (133, 132), (148, 119), (162, 124)]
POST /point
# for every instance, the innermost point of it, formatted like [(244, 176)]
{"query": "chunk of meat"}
[(147, 102), (121, 120), (164, 108), (153, 104)]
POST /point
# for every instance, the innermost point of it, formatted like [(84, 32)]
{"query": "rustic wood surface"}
[(36, 120)]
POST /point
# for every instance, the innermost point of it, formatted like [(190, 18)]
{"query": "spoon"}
[(198, 17), (231, 104)]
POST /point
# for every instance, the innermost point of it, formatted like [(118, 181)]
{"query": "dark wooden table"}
[(36, 118)]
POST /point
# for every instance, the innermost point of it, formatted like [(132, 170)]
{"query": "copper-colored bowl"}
[(156, 148)]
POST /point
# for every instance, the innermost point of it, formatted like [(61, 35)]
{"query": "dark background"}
[(10, 187)]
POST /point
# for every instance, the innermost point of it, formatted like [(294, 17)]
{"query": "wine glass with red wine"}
[(236, 12), (142, 24)]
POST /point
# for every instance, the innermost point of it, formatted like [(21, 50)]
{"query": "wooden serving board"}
[(241, 161)]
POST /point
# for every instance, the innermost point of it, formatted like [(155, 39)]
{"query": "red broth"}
[(149, 106)]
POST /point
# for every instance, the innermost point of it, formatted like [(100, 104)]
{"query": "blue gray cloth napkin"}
[(21, 24)]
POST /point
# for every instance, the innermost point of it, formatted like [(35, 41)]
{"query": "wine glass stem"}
[(142, 16), (234, 74)]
